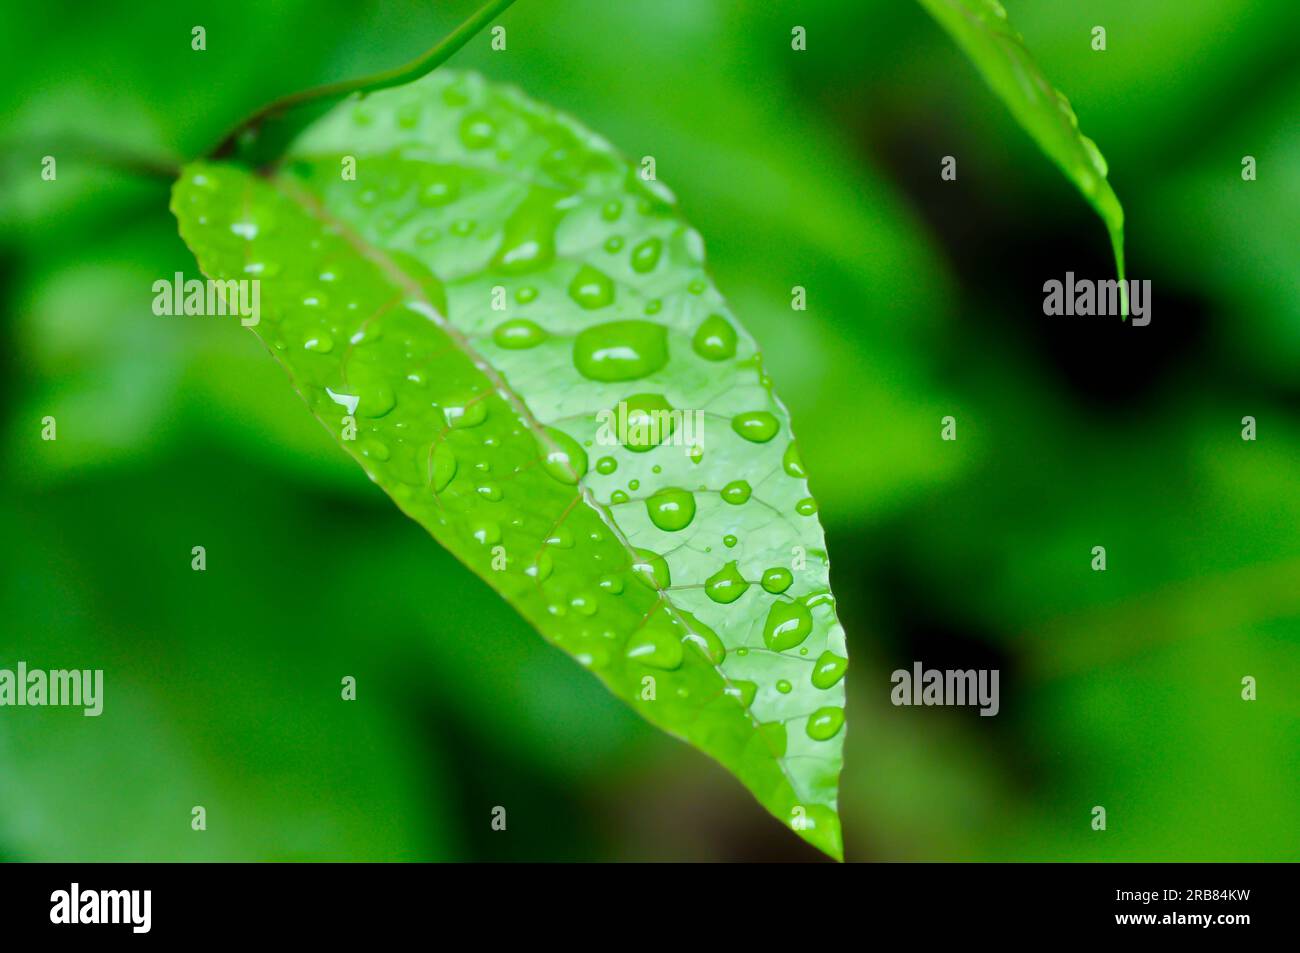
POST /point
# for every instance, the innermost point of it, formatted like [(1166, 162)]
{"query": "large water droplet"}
[(657, 644), (788, 624), (777, 580), (756, 426), (825, 723), (703, 638), (736, 492), (375, 396), (828, 669), (671, 509), (487, 532), (726, 585), (646, 420), (528, 239), (438, 192), (620, 350), (651, 570), (715, 339), (791, 462), (471, 413), (743, 691), (565, 460)]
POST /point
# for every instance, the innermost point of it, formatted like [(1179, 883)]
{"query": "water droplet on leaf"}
[(756, 426), (715, 339), (671, 509), (620, 350), (788, 624), (726, 585)]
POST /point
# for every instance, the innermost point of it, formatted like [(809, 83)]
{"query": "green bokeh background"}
[(819, 169)]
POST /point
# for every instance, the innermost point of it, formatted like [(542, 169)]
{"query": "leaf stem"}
[(425, 63), (99, 152)]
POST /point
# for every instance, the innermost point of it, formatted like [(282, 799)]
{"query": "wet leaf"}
[(982, 30), (512, 330)]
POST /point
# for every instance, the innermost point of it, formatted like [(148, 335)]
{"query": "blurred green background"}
[(820, 169)]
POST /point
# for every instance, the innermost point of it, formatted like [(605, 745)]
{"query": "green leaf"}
[(981, 29), (491, 298)]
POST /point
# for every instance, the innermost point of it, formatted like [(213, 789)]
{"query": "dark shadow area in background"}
[(1002, 259)]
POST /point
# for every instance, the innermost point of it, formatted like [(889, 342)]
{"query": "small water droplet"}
[(518, 334), (487, 532), (591, 289), (375, 397), (477, 130), (646, 255), (444, 467), (408, 116), (777, 580), (438, 192), (469, 414)]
